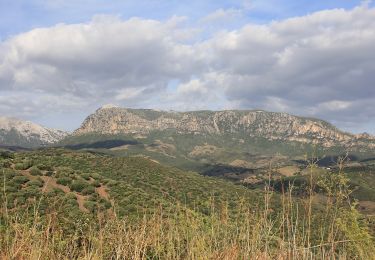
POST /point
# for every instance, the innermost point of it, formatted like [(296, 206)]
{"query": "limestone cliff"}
[(269, 125)]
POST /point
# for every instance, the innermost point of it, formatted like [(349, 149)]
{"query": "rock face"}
[(15, 132), (247, 124)]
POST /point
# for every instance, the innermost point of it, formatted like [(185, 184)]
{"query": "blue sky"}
[(23, 15), (61, 60)]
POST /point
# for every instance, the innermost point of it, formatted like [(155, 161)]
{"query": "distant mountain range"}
[(15, 132), (230, 128)]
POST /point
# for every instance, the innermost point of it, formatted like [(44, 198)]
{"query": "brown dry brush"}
[(282, 227)]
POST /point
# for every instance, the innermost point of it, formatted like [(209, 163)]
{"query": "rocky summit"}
[(251, 123), (15, 132)]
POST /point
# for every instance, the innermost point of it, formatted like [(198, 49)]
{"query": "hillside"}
[(61, 204), (89, 182), (15, 132)]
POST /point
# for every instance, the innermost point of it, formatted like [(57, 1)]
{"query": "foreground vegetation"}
[(57, 204)]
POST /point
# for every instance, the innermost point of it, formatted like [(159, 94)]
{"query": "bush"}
[(64, 181), (70, 196), (37, 183), (89, 190), (11, 189), (93, 197), (6, 155), (31, 191), (106, 204), (86, 176), (35, 171), (64, 171), (6, 164), (90, 205), (79, 185), (9, 174), (44, 167), (20, 179), (56, 192), (24, 165)]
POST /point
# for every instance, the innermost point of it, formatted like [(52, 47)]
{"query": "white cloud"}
[(104, 54), (320, 64), (323, 60)]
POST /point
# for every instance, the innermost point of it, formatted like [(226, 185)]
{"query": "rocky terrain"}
[(248, 124), (15, 132)]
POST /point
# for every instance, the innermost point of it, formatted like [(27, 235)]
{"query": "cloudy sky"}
[(62, 59)]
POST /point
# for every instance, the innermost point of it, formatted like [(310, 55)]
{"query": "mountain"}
[(15, 132), (236, 123)]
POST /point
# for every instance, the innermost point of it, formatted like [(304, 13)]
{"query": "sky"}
[(60, 60)]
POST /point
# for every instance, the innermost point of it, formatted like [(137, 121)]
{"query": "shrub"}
[(20, 179), (37, 183), (106, 204), (9, 174), (19, 166), (11, 189), (6, 155), (90, 205), (24, 165), (31, 191), (64, 181), (6, 164), (70, 196), (45, 167), (64, 171), (56, 192), (35, 171), (79, 185), (86, 176), (112, 183), (89, 190), (93, 197)]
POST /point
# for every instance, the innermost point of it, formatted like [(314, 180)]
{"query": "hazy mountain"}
[(15, 132)]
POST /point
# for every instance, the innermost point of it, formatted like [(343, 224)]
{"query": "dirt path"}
[(81, 201), (102, 191), (50, 183)]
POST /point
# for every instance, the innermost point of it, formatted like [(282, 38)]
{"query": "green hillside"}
[(61, 204), (93, 182)]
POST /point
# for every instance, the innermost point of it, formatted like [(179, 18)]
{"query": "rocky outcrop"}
[(269, 125)]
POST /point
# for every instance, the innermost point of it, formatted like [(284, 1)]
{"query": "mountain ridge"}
[(251, 123)]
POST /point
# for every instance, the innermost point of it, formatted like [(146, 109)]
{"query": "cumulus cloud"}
[(96, 59), (316, 64), (321, 64)]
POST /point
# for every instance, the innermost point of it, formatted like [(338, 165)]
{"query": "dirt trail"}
[(81, 202), (102, 192), (50, 183)]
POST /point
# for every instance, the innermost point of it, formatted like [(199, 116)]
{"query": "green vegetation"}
[(83, 205)]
